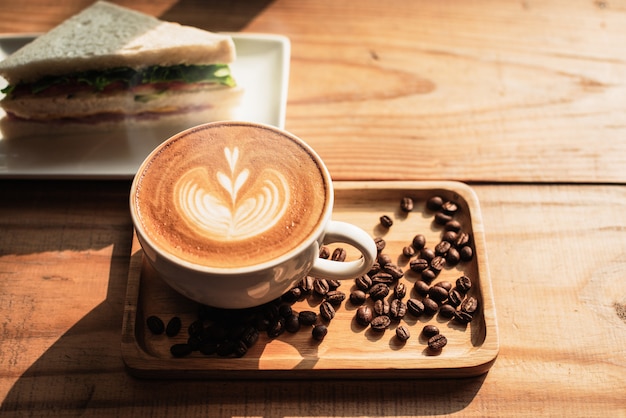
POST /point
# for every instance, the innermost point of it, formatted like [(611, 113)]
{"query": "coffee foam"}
[(230, 196)]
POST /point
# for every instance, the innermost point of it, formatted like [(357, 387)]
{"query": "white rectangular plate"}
[(261, 68)]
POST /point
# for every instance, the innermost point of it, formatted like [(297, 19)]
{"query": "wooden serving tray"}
[(349, 350)]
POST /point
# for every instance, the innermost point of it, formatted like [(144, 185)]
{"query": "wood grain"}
[(479, 91), (528, 92), (556, 257)]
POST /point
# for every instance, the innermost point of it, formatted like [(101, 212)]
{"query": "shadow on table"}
[(216, 15)]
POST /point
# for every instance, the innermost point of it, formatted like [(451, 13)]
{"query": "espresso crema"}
[(230, 195)]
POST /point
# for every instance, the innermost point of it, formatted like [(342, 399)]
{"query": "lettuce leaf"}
[(100, 79)]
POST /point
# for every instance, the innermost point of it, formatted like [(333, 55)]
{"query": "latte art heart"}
[(231, 195), (232, 206)]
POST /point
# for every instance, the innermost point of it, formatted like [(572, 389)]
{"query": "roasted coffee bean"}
[(293, 295), (466, 253), (446, 310), (421, 287), (406, 204), (380, 243), (449, 208), (430, 306), (364, 315), (324, 252), (194, 342), (453, 225), (307, 317), (400, 291), (402, 333), (449, 236), (208, 348), (196, 327), (379, 291), (180, 350), (427, 254), (335, 297), (419, 265), (275, 304), (339, 254), (415, 307), (381, 307), (463, 317), (214, 332), (173, 327), (321, 287), (306, 284), (437, 342), (455, 297), (419, 241), (358, 297), (262, 323), (430, 331), (327, 311), (155, 325), (382, 277), (437, 264), (250, 336), (394, 270), (453, 257), (470, 305), (445, 284), (276, 328), (374, 269), (384, 259), (463, 284), (240, 349), (442, 218), (380, 323), (333, 284), (386, 221), (269, 310), (226, 348), (429, 275), (442, 248), (462, 240), (408, 251), (397, 310), (438, 294), (319, 332), (285, 310), (292, 323), (235, 331), (434, 203), (364, 282)]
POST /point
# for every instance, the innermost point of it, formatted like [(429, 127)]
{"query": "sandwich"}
[(110, 65)]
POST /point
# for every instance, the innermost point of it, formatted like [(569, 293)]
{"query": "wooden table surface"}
[(523, 100)]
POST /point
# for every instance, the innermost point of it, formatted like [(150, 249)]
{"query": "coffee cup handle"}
[(337, 231)]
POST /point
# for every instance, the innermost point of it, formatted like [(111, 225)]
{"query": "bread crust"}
[(86, 42)]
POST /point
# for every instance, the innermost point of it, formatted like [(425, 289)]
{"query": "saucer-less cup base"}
[(252, 285)]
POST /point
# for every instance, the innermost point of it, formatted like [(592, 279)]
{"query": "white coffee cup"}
[(233, 214)]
